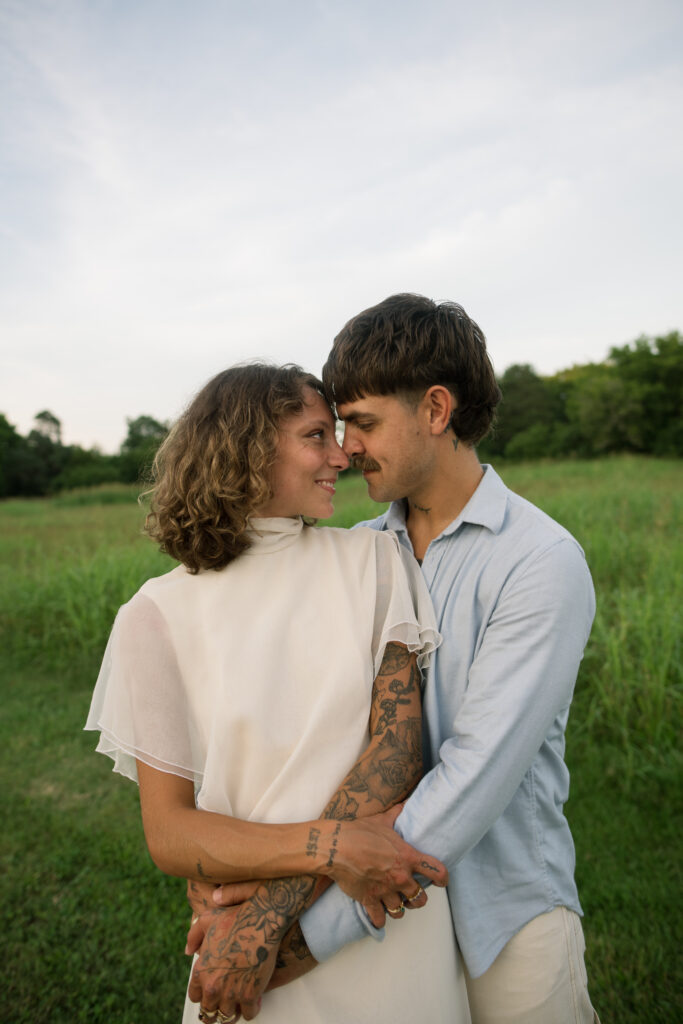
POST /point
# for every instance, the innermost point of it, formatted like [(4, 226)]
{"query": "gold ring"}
[(396, 912), (194, 921), (411, 899), (224, 1019), (208, 1016)]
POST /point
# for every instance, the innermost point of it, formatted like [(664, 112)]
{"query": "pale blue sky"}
[(188, 184)]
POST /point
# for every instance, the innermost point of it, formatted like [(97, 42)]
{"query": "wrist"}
[(322, 845)]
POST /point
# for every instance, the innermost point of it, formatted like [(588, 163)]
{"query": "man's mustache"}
[(365, 465)]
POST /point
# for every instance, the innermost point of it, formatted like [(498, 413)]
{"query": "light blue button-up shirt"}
[(514, 603)]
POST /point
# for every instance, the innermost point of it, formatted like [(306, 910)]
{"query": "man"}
[(514, 599)]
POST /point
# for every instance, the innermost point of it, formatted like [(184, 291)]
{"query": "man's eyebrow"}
[(359, 415)]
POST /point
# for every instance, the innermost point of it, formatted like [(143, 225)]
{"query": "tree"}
[(137, 452), (45, 443), (651, 370), (606, 412), (11, 444), (143, 432), (528, 403), (47, 424), (87, 467)]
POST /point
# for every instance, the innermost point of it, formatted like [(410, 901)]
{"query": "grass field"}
[(92, 932)]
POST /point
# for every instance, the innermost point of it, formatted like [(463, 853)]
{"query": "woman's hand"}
[(372, 864)]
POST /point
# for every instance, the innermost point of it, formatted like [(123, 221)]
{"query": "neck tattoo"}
[(456, 440), (420, 508)]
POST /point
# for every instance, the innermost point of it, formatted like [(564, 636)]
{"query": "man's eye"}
[(317, 434)]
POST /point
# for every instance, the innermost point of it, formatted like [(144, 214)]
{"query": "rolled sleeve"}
[(333, 922)]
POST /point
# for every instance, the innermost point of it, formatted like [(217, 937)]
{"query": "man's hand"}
[(293, 960), (238, 953), (205, 897)]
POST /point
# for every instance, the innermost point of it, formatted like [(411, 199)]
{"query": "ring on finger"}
[(397, 911), (415, 896), (223, 1018), (208, 1016)]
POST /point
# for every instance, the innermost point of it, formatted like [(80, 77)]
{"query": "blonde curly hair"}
[(212, 472)]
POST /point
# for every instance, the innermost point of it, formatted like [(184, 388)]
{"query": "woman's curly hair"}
[(212, 472)]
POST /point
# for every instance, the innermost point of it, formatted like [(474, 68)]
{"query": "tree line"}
[(631, 402), (40, 464)]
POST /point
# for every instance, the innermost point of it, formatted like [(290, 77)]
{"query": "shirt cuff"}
[(333, 921)]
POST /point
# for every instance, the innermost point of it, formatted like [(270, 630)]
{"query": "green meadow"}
[(92, 932)]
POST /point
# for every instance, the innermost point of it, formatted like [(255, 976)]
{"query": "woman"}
[(237, 690)]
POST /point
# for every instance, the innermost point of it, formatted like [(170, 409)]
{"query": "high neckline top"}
[(269, 534)]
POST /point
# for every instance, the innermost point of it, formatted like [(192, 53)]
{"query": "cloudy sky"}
[(185, 184)]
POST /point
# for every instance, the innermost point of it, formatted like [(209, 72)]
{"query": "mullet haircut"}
[(405, 345), (213, 470)]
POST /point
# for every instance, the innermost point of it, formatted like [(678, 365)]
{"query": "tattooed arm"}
[(239, 951), (393, 758), (385, 773), (364, 859)]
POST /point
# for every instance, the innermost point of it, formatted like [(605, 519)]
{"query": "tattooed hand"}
[(293, 960), (200, 896), (205, 897), (238, 954), (375, 866)]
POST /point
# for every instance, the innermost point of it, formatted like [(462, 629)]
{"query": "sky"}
[(186, 184)]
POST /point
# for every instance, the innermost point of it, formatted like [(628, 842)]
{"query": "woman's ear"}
[(439, 405)]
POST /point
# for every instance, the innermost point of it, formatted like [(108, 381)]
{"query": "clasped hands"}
[(237, 937), (373, 865)]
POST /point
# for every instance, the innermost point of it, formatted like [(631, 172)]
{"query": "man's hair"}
[(405, 345), (213, 470)]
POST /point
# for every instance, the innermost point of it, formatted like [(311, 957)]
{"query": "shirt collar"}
[(485, 508)]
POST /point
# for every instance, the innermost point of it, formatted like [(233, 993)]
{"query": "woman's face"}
[(308, 462)]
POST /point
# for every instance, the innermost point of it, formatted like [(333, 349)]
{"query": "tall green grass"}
[(92, 932), (627, 515), (66, 568)]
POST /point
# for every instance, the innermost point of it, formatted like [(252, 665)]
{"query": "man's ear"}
[(439, 405)]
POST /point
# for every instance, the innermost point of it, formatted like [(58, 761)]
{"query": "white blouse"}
[(255, 681)]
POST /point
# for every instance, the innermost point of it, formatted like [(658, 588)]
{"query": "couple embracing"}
[(329, 726)]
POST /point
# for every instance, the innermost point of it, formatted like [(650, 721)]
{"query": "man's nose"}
[(352, 443), (338, 457)]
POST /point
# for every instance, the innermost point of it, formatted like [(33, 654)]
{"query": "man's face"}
[(387, 438)]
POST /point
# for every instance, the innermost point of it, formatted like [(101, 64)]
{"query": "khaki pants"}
[(538, 978)]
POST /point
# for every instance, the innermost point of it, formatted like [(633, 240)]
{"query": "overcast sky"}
[(185, 184)]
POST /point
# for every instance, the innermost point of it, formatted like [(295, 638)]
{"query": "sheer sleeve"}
[(139, 705), (403, 608)]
